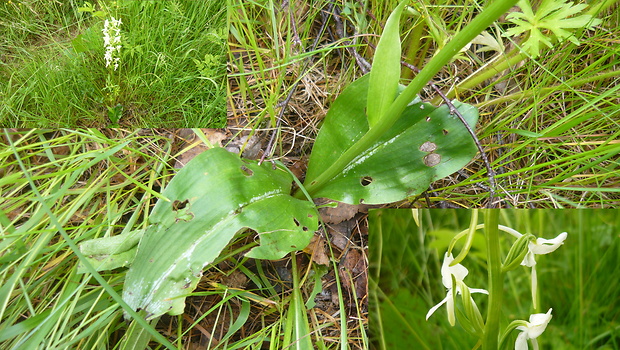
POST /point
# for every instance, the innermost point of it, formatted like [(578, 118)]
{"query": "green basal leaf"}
[(214, 196), (385, 71), (425, 144)]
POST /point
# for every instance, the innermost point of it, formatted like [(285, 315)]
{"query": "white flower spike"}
[(459, 272), (112, 41), (532, 330), (539, 247)]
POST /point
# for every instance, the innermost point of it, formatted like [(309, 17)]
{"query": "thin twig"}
[(361, 61)]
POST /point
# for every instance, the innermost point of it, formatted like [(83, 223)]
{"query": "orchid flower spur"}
[(537, 325), (459, 272), (538, 247)]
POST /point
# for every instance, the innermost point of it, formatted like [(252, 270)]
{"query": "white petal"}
[(434, 308), (529, 259), (546, 246), (541, 318), (476, 290), (459, 271), (510, 230), (521, 343), (538, 323)]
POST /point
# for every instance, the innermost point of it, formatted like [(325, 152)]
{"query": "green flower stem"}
[(475, 27), (491, 327), (469, 241)]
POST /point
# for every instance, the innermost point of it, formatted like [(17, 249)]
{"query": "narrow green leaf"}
[(297, 327), (526, 133), (137, 337), (28, 324), (385, 71), (244, 314)]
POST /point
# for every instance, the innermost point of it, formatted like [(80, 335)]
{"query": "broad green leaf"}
[(425, 144), (385, 71), (213, 197)]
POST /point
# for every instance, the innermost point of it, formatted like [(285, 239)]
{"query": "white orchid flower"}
[(532, 330), (539, 247), (459, 272), (542, 246)]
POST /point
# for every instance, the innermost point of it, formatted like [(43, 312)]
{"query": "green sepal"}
[(517, 253)]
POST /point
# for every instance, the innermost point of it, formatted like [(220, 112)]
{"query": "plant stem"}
[(491, 327), (475, 27), (494, 67)]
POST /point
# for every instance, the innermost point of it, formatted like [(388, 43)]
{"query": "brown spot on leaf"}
[(428, 147), (432, 159)]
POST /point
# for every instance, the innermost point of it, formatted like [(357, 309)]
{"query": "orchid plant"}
[(112, 43), (522, 253)]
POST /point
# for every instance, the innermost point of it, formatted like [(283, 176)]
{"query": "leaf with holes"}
[(214, 196), (425, 144)]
